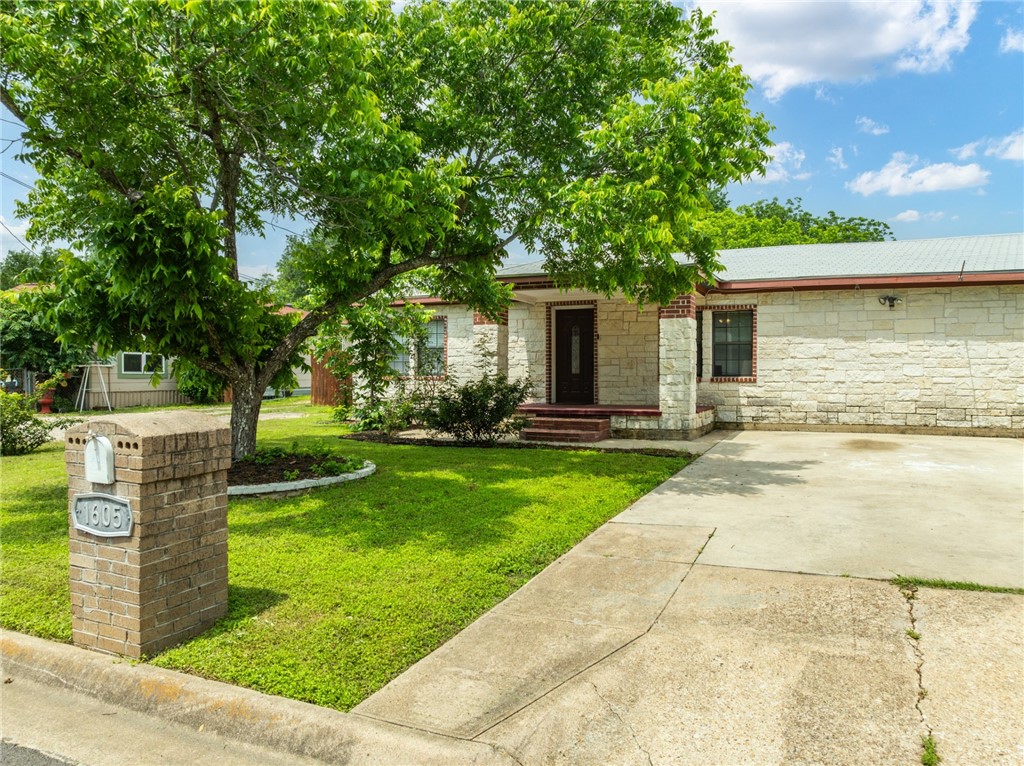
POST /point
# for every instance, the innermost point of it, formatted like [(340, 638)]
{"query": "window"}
[(428, 358), (700, 343), (430, 350), (140, 363), (732, 338), (400, 361)]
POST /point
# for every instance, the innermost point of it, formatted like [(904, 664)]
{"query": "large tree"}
[(765, 223), (421, 138)]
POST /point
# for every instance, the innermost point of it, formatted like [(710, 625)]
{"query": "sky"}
[(907, 111)]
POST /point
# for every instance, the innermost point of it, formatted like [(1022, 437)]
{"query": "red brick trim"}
[(479, 319), (849, 283), (753, 350), (549, 351), (681, 307)]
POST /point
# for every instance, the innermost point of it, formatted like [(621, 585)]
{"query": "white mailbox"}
[(99, 460)]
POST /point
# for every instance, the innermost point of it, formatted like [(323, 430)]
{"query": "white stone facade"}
[(627, 353), (948, 358), (945, 359)]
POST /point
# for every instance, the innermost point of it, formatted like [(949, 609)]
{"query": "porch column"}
[(490, 340), (677, 359)]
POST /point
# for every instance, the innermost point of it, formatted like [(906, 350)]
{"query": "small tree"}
[(29, 342)]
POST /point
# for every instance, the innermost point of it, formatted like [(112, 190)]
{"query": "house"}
[(908, 336), (125, 380)]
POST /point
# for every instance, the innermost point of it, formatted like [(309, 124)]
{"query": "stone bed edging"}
[(282, 487)]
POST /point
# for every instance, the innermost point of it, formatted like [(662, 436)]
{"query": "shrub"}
[(21, 430), (480, 410)]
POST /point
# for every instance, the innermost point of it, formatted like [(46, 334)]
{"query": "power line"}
[(17, 238), (16, 180)]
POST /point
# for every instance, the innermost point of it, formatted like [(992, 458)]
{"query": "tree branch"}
[(42, 136)]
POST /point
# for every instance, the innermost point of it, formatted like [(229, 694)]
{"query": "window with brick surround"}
[(428, 357), (732, 339), (430, 350), (700, 343)]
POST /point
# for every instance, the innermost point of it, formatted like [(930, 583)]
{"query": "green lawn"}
[(334, 593)]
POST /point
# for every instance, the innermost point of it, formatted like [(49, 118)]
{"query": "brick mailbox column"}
[(147, 501)]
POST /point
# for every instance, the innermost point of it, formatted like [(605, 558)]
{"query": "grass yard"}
[(335, 593)]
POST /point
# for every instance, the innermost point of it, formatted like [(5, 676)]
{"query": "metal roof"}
[(974, 255)]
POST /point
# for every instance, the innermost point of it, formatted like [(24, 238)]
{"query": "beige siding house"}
[(916, 336)]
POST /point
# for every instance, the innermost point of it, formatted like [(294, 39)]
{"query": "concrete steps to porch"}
[(555, 429)]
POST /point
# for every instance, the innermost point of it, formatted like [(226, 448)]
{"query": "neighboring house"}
[(919, 335), (126, 378)]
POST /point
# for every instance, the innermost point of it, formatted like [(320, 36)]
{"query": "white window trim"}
[(145, 359)]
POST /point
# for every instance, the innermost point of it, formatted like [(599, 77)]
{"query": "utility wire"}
[(16, 180), (16, 237)]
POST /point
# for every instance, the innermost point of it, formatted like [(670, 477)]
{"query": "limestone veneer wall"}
[(527, 345), (945, 358), (627, 353)]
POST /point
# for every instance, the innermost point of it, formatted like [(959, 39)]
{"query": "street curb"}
[(231, 711)]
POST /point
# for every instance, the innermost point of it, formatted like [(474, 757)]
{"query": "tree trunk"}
[(246, 400)]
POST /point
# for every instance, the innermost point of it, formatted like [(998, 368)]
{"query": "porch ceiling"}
[(553, 295)]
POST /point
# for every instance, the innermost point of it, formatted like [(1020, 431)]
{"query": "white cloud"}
[(867, 125), (1009, 147), (836, 158), (913, 216), (784, 165), (1012, 42), (899, 178), (784, 45), (966, 151)]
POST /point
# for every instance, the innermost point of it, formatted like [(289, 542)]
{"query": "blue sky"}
[(907, 111)]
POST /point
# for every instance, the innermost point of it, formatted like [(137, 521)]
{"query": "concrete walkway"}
[(686, 631)]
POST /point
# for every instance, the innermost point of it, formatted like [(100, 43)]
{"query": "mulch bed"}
[(248, 472), (382, 438)]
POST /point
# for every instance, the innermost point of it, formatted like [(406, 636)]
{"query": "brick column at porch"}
[(677, 360)]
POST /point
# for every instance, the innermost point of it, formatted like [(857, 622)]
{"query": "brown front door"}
[(574, 356)]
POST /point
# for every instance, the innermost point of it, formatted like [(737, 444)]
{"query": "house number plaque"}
[(102, 515)]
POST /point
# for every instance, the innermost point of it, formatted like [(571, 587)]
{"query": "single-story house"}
[(909, 336), (125, 380)]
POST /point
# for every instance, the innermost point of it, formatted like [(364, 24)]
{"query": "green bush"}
[(21, 430), (478, 411)]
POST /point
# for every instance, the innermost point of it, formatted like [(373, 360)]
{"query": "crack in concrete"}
[(623, 721), (909, 593)]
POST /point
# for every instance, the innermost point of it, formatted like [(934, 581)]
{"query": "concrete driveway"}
[(866, 505), (729, 617)]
